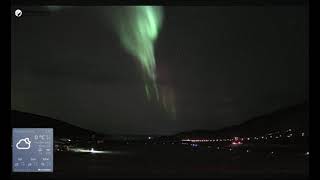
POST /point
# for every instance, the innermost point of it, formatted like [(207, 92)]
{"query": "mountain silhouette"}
[(294, 117), (61, 129)]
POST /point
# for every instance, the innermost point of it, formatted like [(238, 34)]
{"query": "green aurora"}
[(138, 28)]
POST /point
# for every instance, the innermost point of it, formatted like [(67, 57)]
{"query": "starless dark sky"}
[(225, 65)]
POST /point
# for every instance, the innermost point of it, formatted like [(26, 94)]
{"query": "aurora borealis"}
[(138, 28), (213, 66)]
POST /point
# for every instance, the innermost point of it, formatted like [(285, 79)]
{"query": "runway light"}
[(248, 150), (302, 134), (307, 153), (248, 139)]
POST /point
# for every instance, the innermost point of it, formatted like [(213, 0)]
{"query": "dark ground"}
[(179, 161)]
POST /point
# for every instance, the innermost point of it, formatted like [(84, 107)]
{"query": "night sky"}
[(224, 65)]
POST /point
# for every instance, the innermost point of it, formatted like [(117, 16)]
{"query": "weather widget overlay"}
[(32, 150)]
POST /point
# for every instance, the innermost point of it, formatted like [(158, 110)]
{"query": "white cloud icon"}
[(23, 144)]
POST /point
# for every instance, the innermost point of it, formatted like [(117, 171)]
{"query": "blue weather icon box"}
[(32, 150)]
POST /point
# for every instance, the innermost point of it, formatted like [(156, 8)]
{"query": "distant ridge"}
[(296, 117), (61, 129)]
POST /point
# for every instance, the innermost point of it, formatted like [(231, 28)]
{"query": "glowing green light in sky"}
[(138, 28), (147, 91)]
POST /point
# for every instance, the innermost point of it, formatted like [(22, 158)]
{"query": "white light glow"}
[(89, 151)]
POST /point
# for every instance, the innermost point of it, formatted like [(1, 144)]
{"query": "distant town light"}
[(307, 153), (302, 134)]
